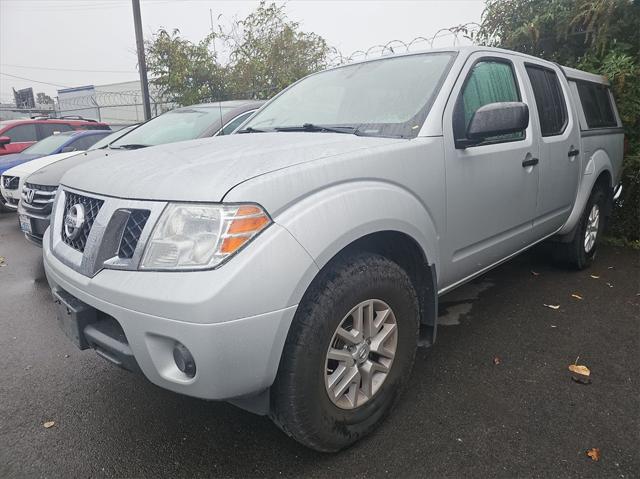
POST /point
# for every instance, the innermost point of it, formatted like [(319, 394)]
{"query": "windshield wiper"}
[(132, 146), (312, 127), (251, 129)]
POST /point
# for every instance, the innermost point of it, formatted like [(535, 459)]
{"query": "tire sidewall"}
[(358, 280)]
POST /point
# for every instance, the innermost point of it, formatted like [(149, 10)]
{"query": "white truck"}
[(288, 268)]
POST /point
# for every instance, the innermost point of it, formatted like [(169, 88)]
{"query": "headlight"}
[(200, 236)]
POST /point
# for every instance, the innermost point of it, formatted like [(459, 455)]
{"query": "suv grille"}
[(38, 197), (132, 231), (91, 208), (10, 182)]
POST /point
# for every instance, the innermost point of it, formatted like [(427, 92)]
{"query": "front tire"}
[(348, 354)]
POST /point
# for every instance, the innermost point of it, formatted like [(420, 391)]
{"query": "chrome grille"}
[(92, 207), (10, 182), (38, 197), (132, 231)]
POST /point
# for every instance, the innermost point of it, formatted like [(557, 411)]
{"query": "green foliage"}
[(183, 71), (267, 52), (601, 36)]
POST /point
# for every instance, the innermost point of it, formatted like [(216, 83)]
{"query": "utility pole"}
[(142, 64)]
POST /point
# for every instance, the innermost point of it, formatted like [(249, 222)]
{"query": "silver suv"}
[(290, 267)]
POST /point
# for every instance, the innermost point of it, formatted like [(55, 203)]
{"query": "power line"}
[(35, 81), (67, 69)]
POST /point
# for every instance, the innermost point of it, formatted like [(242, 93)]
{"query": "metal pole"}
[(142, 65)]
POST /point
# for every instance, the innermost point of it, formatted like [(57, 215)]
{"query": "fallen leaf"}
[(595, 276), (49, 424), (497, 360), (552, 306), (533, 273), (577, 296), (581, 374), (2, 263), (579, 369), (594, 454)]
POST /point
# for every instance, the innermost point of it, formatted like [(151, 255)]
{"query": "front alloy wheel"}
[(348, 353), (361, 353)]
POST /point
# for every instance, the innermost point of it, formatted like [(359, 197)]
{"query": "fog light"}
[(184, 360)]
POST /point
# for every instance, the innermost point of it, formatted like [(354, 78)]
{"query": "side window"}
[(235, 123), (596, 104), (552, 109), (22, 133), (52, 128), (85, 142), (490, 81)]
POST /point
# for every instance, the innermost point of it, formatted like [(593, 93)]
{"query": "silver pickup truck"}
[(289, 268)]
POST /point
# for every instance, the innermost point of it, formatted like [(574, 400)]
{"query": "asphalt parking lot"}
[(463, 415)]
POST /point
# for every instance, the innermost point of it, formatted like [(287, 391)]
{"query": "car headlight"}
[(192, 236)]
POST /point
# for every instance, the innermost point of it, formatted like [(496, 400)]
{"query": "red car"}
[(16, 135)]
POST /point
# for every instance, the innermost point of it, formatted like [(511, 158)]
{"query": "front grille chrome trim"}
[(102, 248)]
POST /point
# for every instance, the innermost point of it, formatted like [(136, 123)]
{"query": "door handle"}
[(531, 162), (573, 152)]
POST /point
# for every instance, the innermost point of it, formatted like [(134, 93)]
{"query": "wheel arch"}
[(597, 172)]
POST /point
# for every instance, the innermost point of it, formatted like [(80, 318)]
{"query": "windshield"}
[(176, 125), (112, 137), (48, 145), (386, 97)]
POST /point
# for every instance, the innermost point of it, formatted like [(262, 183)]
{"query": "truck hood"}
[(25, 169), (51, 174), (206, 169)]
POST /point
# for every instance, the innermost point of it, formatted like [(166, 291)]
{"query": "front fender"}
[(328, 220)]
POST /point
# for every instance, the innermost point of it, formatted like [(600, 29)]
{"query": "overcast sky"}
[(66, 43)]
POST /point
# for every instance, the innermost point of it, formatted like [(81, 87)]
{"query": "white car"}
[(14, 178)]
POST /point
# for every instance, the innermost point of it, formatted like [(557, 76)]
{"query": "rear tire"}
[(301, 404), (581, 251)]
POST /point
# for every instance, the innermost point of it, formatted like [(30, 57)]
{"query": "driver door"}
[(491, 188)]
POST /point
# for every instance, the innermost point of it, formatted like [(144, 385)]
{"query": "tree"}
[(43, 99), (269, 52), (184, 72), (601, 36)]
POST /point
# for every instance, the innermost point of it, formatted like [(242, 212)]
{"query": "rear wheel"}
[(348, 354), (581, 251)]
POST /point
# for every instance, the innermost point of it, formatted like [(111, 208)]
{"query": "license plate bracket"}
[(73, 316)]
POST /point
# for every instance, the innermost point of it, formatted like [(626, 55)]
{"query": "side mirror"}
[(496, 119), (68, 149), (4, 140)]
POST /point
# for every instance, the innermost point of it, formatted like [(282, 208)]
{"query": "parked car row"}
[(16, 135), (29, 186), (293, 267)]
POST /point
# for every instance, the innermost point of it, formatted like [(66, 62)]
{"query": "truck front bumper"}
[(234, 356)]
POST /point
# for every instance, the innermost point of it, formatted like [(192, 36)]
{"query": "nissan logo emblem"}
[(74, 221)]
